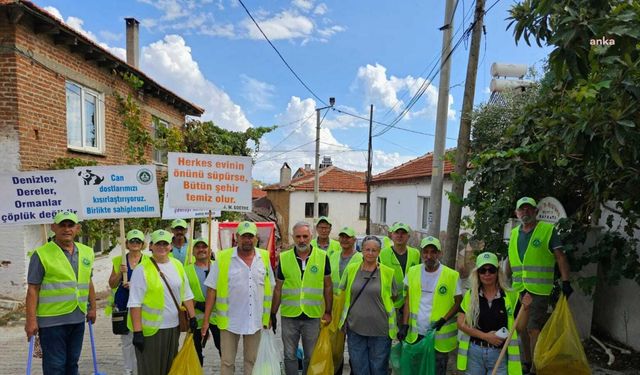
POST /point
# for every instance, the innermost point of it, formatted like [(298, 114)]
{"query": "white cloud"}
[(172, 9), (109, 36), (385, 92), (284, 25), (330, 31), (305, 5), (169, 61), (321, 9), (54, 12), (226, 30), (258, 93)]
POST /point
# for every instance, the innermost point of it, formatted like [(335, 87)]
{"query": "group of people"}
[(391, 292)]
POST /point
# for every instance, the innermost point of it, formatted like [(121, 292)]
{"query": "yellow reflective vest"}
[(514, 367), (443, 301), (61, 291), (303, 294), (386, 284), (535, 272), (199, 295), (388, 258), (117, 261), (334, 261), (334, 246)]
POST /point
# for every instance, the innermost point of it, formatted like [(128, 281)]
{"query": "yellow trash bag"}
[(337, 336), (322, 358), (186, 361), (559, 350)]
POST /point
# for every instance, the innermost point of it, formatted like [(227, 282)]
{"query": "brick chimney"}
[(285, 175), (133, 46)]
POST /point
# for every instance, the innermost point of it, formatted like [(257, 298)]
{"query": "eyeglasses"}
[(490, 270), (135, 240)]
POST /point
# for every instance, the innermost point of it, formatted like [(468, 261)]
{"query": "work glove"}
[(138, 340), (566, 288), (438, 324), (193, 324), (199, 305), (402, 333), (274, 323)]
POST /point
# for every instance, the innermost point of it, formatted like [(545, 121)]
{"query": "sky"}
[(360, 52)]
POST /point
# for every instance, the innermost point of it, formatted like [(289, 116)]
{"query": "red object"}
[(266, 237)]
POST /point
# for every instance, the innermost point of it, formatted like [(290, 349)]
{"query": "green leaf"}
[(627, 123)]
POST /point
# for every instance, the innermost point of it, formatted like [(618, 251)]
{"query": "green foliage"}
[(138, 137), (575, 137)]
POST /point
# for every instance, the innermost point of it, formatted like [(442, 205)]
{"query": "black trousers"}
[(215, 332)]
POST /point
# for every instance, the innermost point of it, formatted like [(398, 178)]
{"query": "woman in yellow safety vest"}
[(153, 314), (120, 291), (369, 313), (487, 316)]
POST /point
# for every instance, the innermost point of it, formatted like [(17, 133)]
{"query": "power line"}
[(280, 55)]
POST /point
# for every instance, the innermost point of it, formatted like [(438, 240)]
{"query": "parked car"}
[(359, 239)]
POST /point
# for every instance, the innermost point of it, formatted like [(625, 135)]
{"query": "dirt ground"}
[(625, 363)]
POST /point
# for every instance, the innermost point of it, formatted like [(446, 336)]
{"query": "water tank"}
[(508, 70), (500, 85)]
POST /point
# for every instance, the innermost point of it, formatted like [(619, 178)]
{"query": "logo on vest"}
[(314, 269), (442, 289), (536, 242), (86, 262)]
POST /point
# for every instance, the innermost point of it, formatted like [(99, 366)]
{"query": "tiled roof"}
[(331, 179), (413, 169), (257, 193)]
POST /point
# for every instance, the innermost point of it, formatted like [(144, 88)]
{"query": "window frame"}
[(155, 121), (382, 210), (424, 211), (322, 211), (99, 120), (362, 212)]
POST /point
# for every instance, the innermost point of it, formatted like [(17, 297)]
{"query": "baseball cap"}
[(178, 223), (200, 239), (430, 241), (134, 233), (348, 231), (526, 200), (247, 227), (325, 219), (65, 215), (404, 226), (161, 235), (487, 258)]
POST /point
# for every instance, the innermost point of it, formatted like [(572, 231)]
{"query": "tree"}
[(577, 139)]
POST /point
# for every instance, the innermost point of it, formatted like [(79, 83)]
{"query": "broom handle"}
[(506, 342)]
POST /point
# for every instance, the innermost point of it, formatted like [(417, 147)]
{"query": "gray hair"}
[(301, 224), (372, 238)]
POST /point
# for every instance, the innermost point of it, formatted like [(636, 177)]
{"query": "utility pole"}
[(464, 135), (316, 180), (369, 165), (437, 165)]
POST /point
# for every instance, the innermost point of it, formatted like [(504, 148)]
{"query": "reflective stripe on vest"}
[(388, 258), (153, 300), (61, 291), (514, 366), (303, 294), (334, 246), (535, 273), (386, 282), (221, 309), (116, 261), (443, 301), (198, 294), (334, 260)]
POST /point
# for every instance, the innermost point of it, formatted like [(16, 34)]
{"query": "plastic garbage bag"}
[(337, 336), (419, 358), (322, 358), (559, 349), (394, 359), (186, 361), (267, 360)]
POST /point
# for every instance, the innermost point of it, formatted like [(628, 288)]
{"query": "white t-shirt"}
[(429, 281), (246, 292), (138, 288)]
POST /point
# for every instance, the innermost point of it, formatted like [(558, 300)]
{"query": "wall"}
[(344, 209), (280, 201)]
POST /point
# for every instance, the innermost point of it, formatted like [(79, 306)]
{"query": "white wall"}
[(344, 209)]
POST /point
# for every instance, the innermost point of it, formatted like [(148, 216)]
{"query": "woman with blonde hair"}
[(488, 310)]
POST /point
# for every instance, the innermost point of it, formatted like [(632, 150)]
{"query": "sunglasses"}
[(490, 270), (135, 240)]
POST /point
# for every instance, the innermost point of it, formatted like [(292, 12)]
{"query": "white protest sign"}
[(550, 210), (118, 191), (169, 213), (210, 182), (36, 197)]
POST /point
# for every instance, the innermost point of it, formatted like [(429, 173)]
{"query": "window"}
[(363, 211), (425, 218), (382, 210), (85, 118), (159, 155), (322, 207)]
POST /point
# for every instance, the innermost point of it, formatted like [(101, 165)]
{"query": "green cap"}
[(430, 241), (247, 227), (526, 200), (200, 239), (487, 258), (178, 223), (325, 219), (348, 231), (134, 233), (399, 225), (65, 215), (161, 235)]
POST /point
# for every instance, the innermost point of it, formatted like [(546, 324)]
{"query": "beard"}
[(527, 219), (303, 247)]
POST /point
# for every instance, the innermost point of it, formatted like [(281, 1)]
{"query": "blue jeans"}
[(61, 347), (369, 355), (482, 359)]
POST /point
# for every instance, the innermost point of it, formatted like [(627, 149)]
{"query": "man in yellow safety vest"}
[(322, 240)]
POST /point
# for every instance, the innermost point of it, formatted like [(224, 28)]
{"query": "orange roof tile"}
[(331, 179), (257, 193), (413, 169)]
